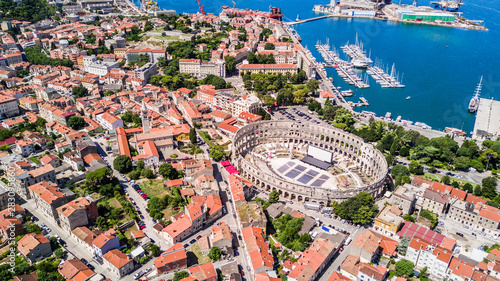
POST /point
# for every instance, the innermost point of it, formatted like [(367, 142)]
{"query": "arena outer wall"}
[(370, 160)]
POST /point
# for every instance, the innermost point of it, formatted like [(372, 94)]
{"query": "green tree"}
[(148, 26), (462, 162), (273, 197), (416, 168), (230, 64), (399, 170), (446, 180), (76, 122), (122, 164), (79, 92), (217, 152), (403, 245), (404, 268), (140, 165), (148, 173), (98, 177), (215, 253), (180, 275), (40, 122), (269, 46), (468, 187), (167, 171), (489, 187), (409, 218), (135, 174), (33, 228), (478, 190), (59, 253), (192, 135), (423, 275), (155, 250), (363, 216)]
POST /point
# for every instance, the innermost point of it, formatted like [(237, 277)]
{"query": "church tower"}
[(144, 118)]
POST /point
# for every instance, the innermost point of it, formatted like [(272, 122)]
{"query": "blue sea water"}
[(441, 65)]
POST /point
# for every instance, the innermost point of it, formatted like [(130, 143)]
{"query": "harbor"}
[(443, 13), (385, 80)]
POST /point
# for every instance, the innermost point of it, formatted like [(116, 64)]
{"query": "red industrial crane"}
[(202, 11)]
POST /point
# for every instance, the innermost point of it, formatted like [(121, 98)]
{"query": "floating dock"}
[(385, 80)]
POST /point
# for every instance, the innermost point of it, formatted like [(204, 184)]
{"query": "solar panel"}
[(318, 183), (312, 173), (300, 168), (305, 179), (292, 174), (290, 163), (283, 168), (324, 177)]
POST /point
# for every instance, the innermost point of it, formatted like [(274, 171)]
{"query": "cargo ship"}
[(474, 102), (447, 5), (274, 12)]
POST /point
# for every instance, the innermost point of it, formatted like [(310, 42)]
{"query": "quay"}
[(487, 125)]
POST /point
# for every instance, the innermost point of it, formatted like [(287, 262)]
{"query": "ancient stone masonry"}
[(368, 160)]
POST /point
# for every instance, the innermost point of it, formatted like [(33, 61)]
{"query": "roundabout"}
[(290, 157)]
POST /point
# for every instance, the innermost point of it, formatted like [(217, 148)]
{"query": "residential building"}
[(8, 106), (34, 247), (109, 121), (78, 212), (313, 260), (104, 243), (75, 269), (204, 272), (260, 255), (119, 263), (25, 147), (388, 220), (460, 270), (221, 238), (366, 246), (48, 197), (424, 254), (405, 198), (435, 202), (85, 236), (368, 272), (175, 258)]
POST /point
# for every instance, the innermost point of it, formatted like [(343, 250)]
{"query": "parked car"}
[(198, 237), (142, 227), (460, 234), (138, 274), (186, 245), (192, 241)]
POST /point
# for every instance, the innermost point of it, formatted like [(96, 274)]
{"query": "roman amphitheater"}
[(283, 155)]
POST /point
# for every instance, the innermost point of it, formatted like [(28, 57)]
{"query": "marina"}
[(344, 69)]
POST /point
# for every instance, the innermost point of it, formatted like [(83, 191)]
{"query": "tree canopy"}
[(76, 122), (359, 209), (35, 56), (122, 164)]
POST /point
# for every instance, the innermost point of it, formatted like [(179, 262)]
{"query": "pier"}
[(343, 68), (385, 80), (307, 20)]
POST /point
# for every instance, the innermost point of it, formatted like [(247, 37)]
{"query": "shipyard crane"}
[(234, 5), (202, 10)]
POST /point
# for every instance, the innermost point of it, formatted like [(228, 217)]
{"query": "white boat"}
[(347, 93), (408, 97), (474, 102)]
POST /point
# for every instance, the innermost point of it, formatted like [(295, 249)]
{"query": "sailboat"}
[(474, 102)]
